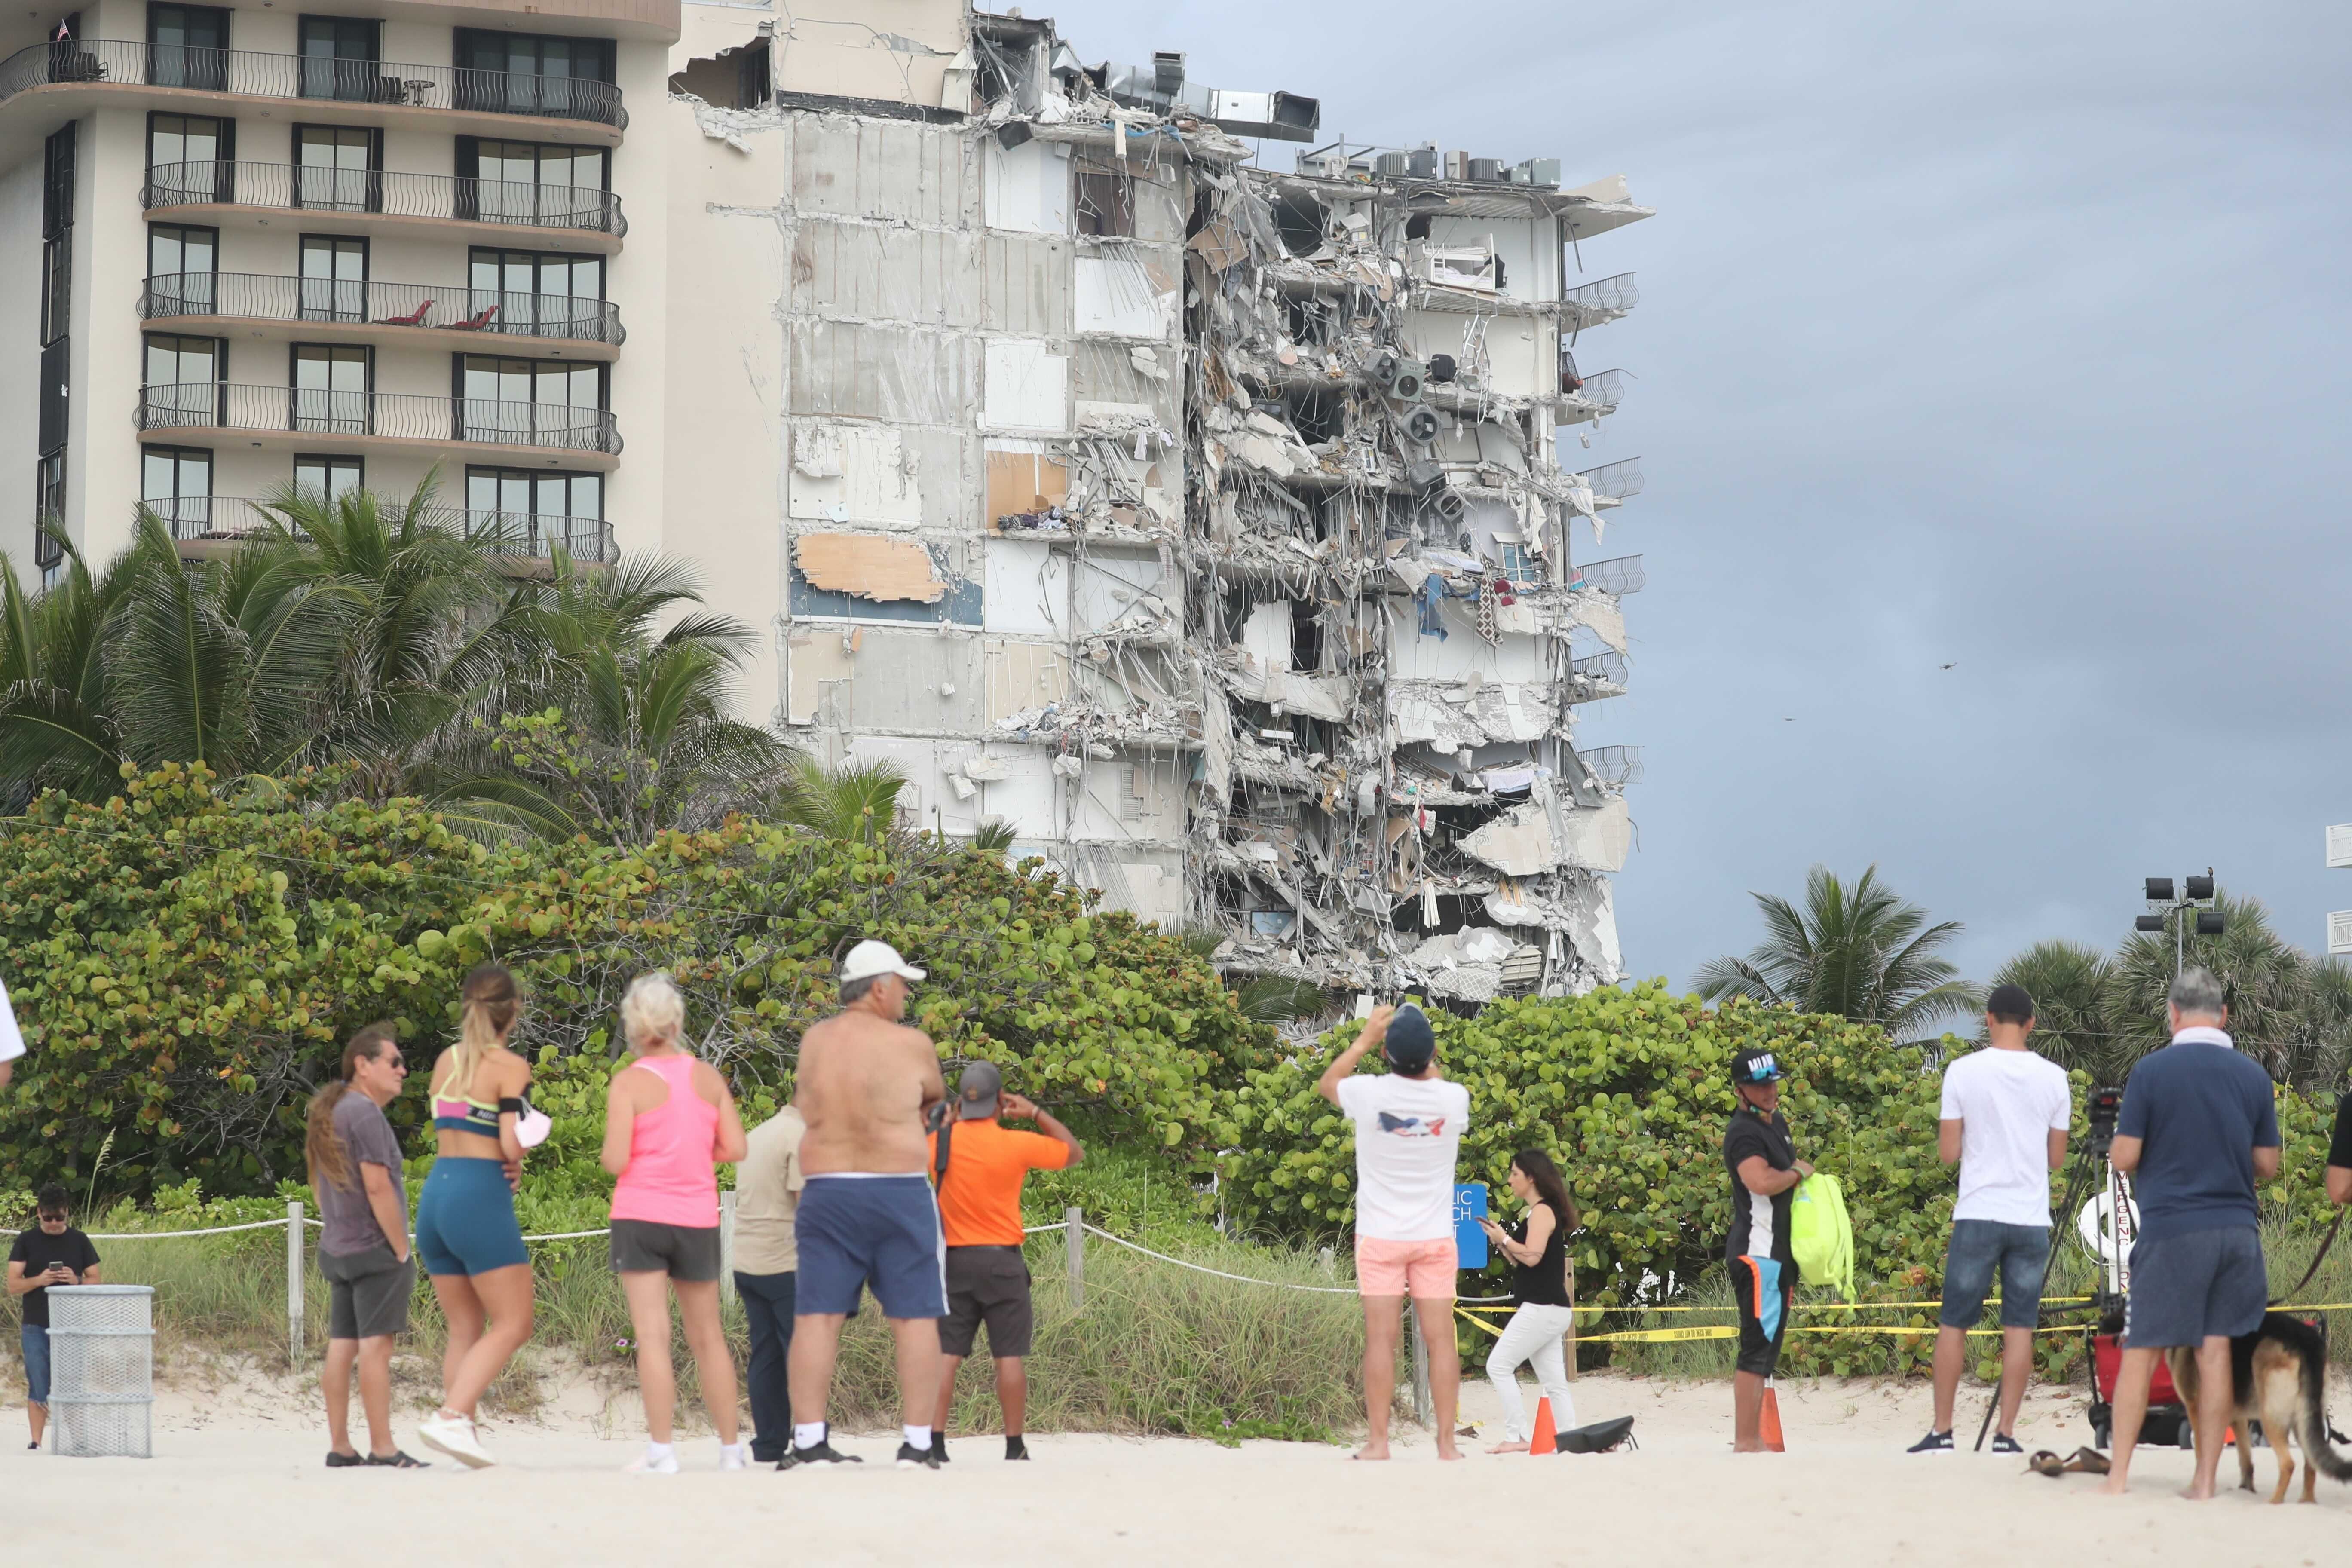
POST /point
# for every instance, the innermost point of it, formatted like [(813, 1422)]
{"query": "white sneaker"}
[(453, 1436), (734, 1457), (651, 1464)]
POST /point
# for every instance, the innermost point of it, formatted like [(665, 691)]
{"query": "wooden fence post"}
[(294, 1283), (1074, 1230)]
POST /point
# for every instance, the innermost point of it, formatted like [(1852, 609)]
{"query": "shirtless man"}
[(867, 1088)]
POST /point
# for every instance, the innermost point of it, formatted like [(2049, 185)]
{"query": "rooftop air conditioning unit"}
[(1536, 172), (1489, 170), (2339, 933), (2339, 846), (1422, 162), (1324, 165), (1421, 423), (1457, 166), (1405, 382), (1392, 165)]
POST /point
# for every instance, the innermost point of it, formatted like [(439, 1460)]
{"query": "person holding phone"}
[(466, 1229), (52, 1253), (1543, 1289)]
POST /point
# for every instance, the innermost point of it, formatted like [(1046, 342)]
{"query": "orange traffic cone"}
[(1771, 1423), (1544, 1441)]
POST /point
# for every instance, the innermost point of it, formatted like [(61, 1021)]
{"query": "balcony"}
[(1598, 303), (448, 316), (98, 71), (1587, 399), (213, 523), (304, 416), (580, 213)]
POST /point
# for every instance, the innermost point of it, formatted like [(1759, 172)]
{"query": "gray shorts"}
[(367, 1292), (987, 1285), (688, 1252), (2189, 1288)]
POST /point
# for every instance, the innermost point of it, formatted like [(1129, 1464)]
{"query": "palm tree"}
[(2072, 984), (853, 800), (57, 730), (1858, 952), (2287, 1010)]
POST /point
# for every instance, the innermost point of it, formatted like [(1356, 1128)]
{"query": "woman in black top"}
[(1545, 1292)]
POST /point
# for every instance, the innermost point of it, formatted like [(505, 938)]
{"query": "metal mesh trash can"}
[(101, 1369)]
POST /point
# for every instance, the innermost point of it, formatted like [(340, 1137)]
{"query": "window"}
[(48, 508), (190, 158), (334, 277), (523, 511), (529, 182), (338, 168), (1518, 564), (176, 484), (530, 291), (187, 46), (183, 381), (1106, 203), (339, 59), (520, 73), (57, 236), (328, 478), (182, 264), (331, 388), (53, 424), (529, 402)]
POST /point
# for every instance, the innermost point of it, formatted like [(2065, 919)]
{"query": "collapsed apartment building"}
[(1202, 521)]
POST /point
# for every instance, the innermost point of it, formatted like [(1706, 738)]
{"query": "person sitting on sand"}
[(1409, 1125), (669, 1123), (1543, 1290)]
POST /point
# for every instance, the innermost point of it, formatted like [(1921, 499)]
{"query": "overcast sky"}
[(2012, 337)]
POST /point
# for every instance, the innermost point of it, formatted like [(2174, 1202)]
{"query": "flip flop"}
[(2088, 1462), (2045, 1463)]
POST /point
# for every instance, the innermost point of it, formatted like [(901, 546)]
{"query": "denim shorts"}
[(34, 1339), (2023, 1253)]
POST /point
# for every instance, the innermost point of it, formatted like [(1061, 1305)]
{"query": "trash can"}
[(101, 1370)]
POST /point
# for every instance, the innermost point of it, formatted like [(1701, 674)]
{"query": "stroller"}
[(2168, 1417)]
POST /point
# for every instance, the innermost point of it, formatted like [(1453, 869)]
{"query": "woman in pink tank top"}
[(669, 1123)]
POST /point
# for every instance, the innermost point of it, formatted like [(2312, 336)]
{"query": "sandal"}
[(2045, 1463), (2088, 1462), (396, 1460)]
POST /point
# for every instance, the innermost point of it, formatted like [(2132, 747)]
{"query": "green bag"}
[(1820, 1234)]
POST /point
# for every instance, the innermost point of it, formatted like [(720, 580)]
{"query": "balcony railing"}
[(250, 75), (1592, 304), (397, 414), (1589, 397), (525, 535), (314, 188), (256, 297), (1619, 574), (1614, 481)]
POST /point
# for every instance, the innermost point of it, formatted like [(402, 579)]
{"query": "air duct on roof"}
[(1160, 87)]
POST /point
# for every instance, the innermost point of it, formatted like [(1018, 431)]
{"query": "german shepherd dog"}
[(2278, 1376)]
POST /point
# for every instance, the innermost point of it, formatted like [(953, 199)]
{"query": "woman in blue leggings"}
[(466, 1229)]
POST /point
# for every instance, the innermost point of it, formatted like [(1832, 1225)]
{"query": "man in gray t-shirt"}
[(364, 1245)]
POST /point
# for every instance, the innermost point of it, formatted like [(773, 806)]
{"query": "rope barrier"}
[(169, 1234)]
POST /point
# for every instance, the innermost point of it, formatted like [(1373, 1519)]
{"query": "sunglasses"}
[(396, 1064)]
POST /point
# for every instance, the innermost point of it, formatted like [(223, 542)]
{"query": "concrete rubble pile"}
[(1205, 521)]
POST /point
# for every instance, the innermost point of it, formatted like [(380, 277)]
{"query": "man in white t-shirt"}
[(1409, 1123), (12, 1042), (2004, 1119)]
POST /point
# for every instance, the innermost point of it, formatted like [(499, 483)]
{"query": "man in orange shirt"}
[(980, 1164)]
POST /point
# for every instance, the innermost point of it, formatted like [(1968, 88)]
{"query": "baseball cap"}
[(1755, 1065), (1410, 1042), (870, 957), (977, 1091)]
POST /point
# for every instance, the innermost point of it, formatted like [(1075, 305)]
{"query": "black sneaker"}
[(1932, 1443), (823, 1454), (1014, 1448), (343, 1461), (911, 1458), (2003, 1443), (939, 1447)]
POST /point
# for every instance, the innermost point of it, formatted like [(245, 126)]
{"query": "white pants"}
[(1533, 1335)]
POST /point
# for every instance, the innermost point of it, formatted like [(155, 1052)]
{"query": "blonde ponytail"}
[(487, 1009)]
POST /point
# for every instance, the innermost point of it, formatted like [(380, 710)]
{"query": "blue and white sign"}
[(1469, 1209)]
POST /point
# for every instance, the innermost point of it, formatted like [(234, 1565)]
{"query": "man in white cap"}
[(866, 1085)]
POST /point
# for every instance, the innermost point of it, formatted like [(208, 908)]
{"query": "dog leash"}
[(2326, 1242)]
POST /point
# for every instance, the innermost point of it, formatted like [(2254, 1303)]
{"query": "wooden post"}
[(726, 1245), (294, 1282), (1074, 1232), (1420, 1363)]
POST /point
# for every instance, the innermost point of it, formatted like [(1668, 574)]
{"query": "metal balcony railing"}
[(1615, 766), (1606, 668), (314, 188), (1592, 397), (257, 297), (1592, 304), (523, 535), (399, 414), (249, 75), (1619, 574), (1615, 481)]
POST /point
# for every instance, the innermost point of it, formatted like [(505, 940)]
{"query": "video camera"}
[(2107, 1104)]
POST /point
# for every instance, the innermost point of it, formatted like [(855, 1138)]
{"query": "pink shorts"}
[(1422, 1270)]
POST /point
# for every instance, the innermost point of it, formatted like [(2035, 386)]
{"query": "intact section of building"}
[(1205, 521)]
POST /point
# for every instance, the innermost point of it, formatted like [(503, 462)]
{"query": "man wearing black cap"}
[(1409, 1122), (2003, 1122), (1765, 1171), (980, 1165)]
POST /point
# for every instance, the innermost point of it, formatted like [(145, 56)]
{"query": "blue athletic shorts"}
[(466, 1218), (2197, 1286), (881, 1232)]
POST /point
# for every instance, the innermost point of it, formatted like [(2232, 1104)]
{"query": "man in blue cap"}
[(1409, 1123), (1765, 1171)]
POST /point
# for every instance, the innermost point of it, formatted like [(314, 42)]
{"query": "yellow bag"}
[(1820, 1235)]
